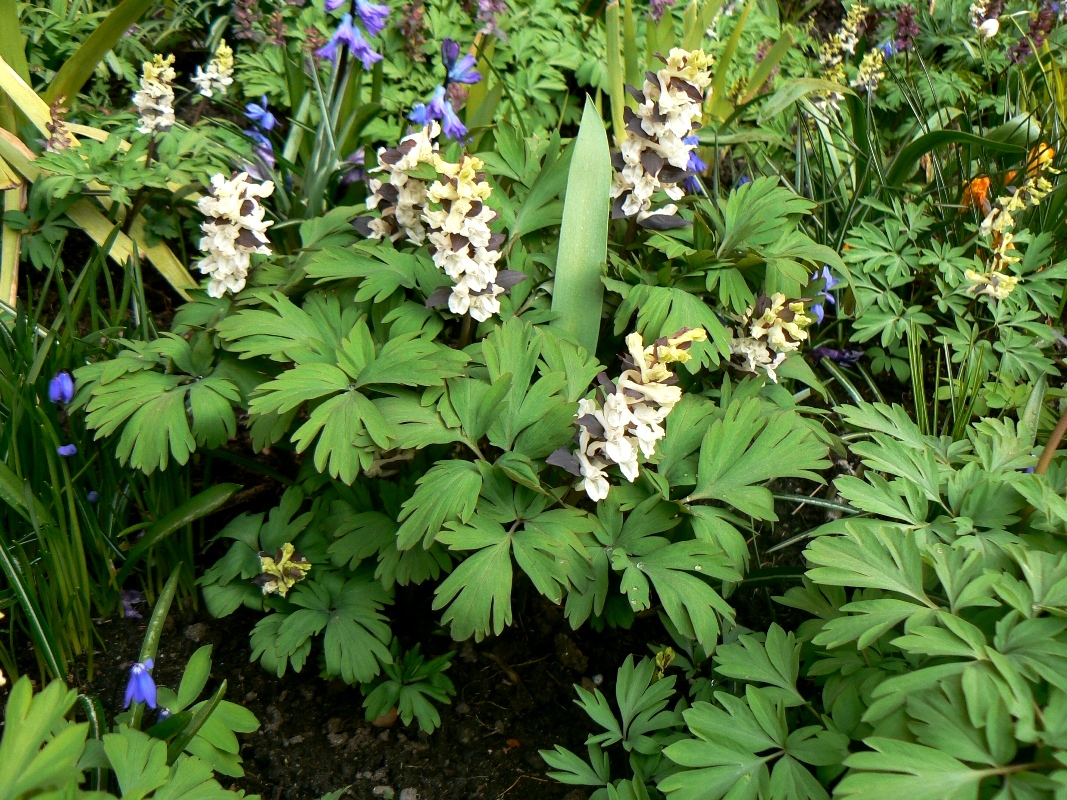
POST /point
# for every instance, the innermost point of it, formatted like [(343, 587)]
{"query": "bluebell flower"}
[(451, 125), (67, 450), (743, 180), (93, 496), (373, 16), (130, 598), (264, 148), (888, 49), (61, 388), (333, 5), (358, 173), (348, 34), (844, 358), (824, 296), (423, 113), (696, 165), (460, 70), (259, 114), (141, 688)]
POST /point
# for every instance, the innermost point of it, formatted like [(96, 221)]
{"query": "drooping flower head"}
[(824, 295), (697, 166), (67, 450), (349, 35), (141, 687), (261, 115), (218, 75), (61, 388), (155, 99), (458, 70), (441, 108), (373, 16)]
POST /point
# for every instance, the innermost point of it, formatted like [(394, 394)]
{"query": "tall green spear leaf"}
[(578, 296)]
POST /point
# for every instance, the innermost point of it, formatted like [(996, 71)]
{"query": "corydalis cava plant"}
[(218, 75), (235, 229), (656, 154), (626, 416), (155, 99), (452, 212), (772, 329)]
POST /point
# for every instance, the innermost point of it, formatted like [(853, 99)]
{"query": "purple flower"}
[(696, 166), (130, 598), (451, 125), (844, 358), (659, 7), (333, 5), (358, 173), (141, 688), (61, 388), (423, 113), (460, 70), (373, 16), (350, 35), (823, 295), (743, 180), (67, 450), (258, 113), (93, 496), (264, 149)]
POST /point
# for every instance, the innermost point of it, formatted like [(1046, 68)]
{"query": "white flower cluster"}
[(984, 17), (234, 230), (834, 50), (655, 155), (464, 247), (155, 98), (451, 212), (401, 197), (219, 72), (771, 329), (630, 419)]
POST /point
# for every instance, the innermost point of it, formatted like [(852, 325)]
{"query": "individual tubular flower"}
[(373, 16), (624, 421), (261, 115), (464, 247), (976, 194), (155, 99), (61, 388), (771, 329), (985, 17), (656, 154), (400, 197), (219, 72), (824, 295), (235, 229), (141, 688), (67, 450), (281, 571), (995, 284)]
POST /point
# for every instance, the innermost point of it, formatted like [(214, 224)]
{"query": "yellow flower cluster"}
[(771, 329), (999, 224), (282, 571)]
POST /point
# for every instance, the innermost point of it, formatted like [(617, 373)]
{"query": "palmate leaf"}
[(745, 448), (477, 595), (774, 660), (39, 750), (904, 769), (735, 745), (642, 703), (448, 492)]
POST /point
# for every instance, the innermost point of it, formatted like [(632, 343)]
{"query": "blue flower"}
[(333, 5), (823, 295), (93, 496), (258, 113), (373, 16), (348, 34), (888, 49), (743, 180), (130, 598), (844, 358), (460, 70), (696, 166), (61, 388), (141, 688), (451, 125), (67, 450), (264, 149)]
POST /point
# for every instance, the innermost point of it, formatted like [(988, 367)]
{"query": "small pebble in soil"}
[(409, 794), (383, 791), (197, 631)]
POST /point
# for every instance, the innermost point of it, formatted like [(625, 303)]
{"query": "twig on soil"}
[(516, 783)]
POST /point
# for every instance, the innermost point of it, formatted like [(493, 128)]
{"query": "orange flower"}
[(976, 195), (1040, 157)]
